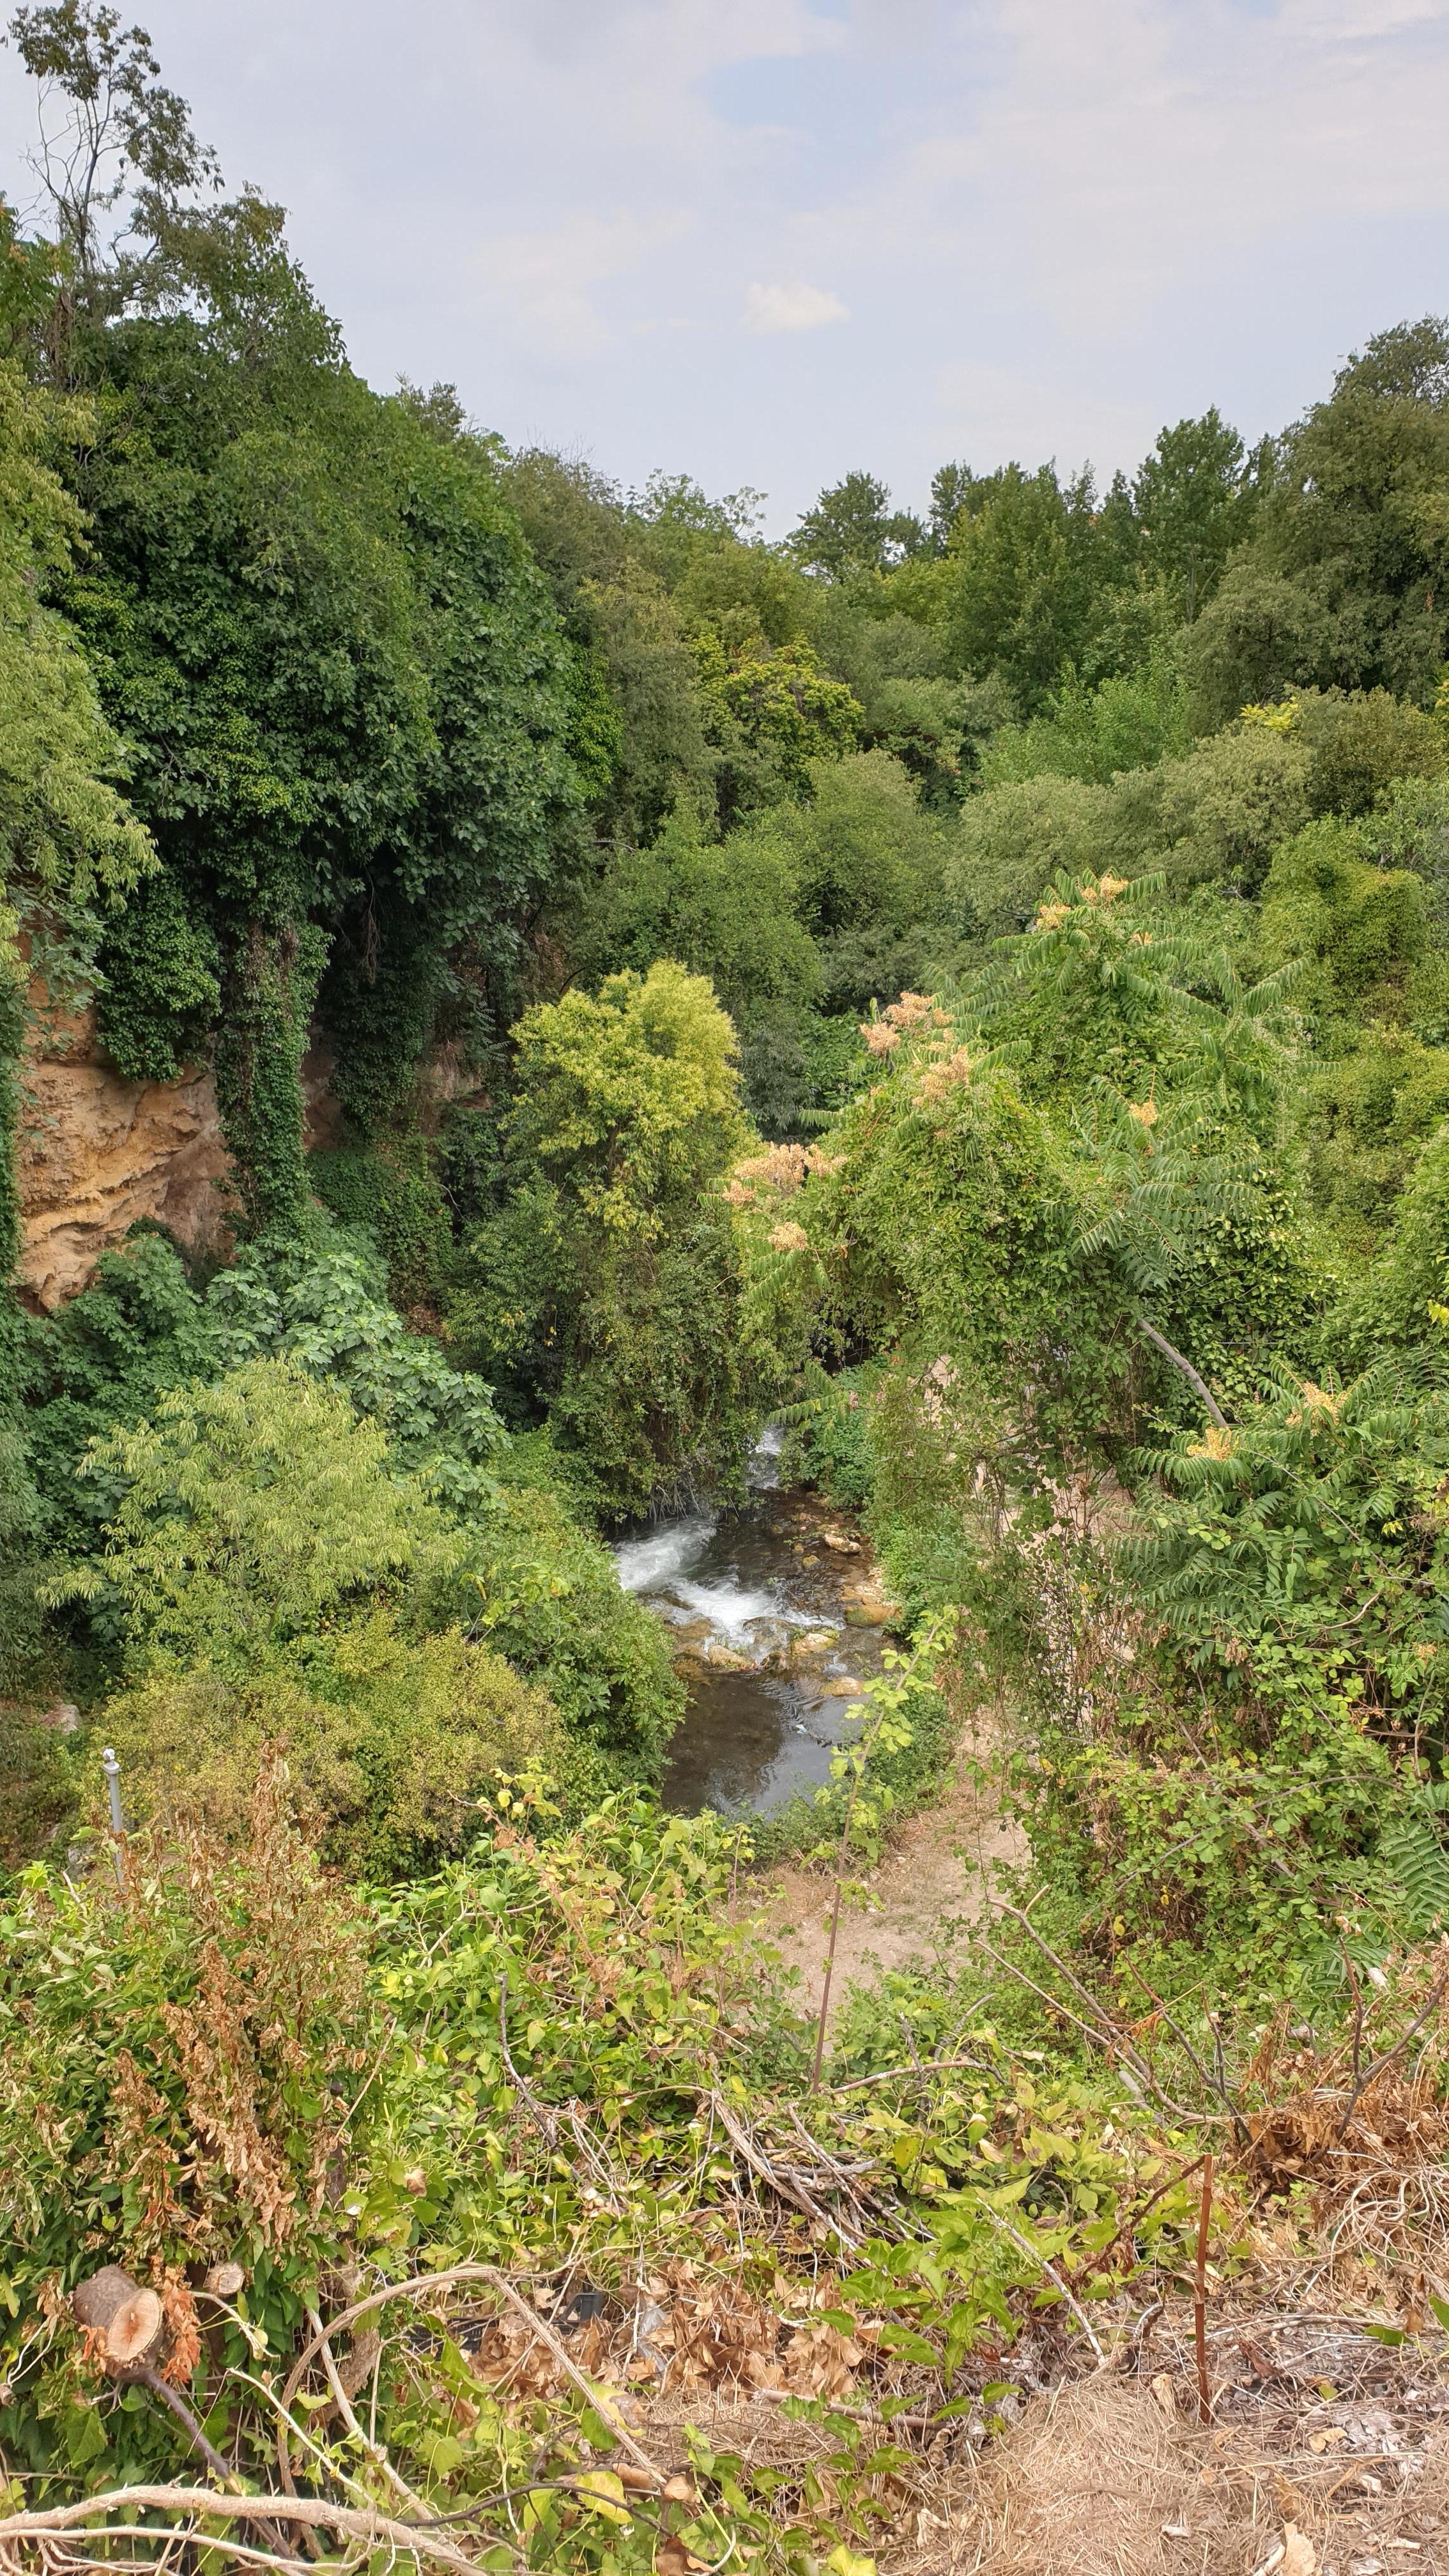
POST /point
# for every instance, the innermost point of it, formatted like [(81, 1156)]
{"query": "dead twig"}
[(371, 2450), (1211, 2083), (789, 2187), (1034, 2255), (544, 2120), (927, 2066), (1199, 2302), (310, 2512), (1200, 1385), (1440, 1987), (419, 2287), (153, 2380), (1102, 2030)]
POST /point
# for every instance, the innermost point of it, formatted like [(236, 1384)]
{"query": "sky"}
[(766, 242)]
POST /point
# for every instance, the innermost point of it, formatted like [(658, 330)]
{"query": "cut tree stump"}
[(127, 2321)]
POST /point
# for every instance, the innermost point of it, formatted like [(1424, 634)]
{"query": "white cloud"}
[(792, 308), (541, 280)]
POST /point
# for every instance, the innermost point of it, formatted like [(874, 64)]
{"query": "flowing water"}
[(772, 1637)]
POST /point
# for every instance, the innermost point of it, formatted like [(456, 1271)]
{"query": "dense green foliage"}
[(606, 1283), (974, 985)]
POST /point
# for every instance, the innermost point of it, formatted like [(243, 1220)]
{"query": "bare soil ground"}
[(931, 1882)]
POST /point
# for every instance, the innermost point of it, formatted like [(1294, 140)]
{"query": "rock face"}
[(97, 1153)]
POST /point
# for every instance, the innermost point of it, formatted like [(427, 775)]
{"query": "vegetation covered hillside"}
[(971, 988)]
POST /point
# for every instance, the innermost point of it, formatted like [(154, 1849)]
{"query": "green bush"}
[(252, 1511), (1357, 929), (391, 1742), (724, 909), (1362, 744)]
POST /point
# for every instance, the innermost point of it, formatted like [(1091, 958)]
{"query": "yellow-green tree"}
[(603, 1290)]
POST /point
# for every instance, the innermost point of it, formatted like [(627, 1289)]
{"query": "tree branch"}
[(1214, 1409)]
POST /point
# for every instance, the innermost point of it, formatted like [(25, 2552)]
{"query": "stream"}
[(777, 1621)]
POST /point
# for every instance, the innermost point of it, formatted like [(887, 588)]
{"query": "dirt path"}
[(930, 1883)]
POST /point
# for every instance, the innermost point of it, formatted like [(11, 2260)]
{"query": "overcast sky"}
[(766, 241)]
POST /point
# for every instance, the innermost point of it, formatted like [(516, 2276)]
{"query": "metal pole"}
[(112, 1770)]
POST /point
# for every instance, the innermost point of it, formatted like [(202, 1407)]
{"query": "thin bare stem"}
[(1199, 2303), (1035, 2255), (311, 2512)]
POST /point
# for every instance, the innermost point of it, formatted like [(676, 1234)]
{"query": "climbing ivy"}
[(269, 991), (348, 699)]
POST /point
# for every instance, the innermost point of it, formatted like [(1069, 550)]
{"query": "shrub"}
[(205, 2113), (606, 1285), (390, 1742), (252, 1511)]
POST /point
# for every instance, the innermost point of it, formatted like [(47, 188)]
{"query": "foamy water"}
[(649, 1563)]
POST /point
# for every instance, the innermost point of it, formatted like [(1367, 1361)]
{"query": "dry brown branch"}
[(1363, 2081), (1034, 2255), (373, 2451), (1105, 2032), (927, 2066), (544, 2120), (1199, 2303), (789, 2186), (153, 2380), (59, 2554), (419, 2287), (197, 2503), (1200, 1385)]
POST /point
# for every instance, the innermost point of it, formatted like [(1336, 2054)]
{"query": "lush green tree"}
[(718, 570), (605, 1286), (728, 910), (70, 847), (1363, 1113), (69, 844), (1011, 841), (312, 616), (1030, 561), (865, 852), (394, 1743), (1216, 816), (769, 713), (1362, 743), (852, 529), (951, 489), (1355, 926), (263, 1549), (249, 1512), (911, 705), (1195, 499), (1343, 583), (1082, 1148), (610, 588), (1127, 722), (349, 709), (120, 161)]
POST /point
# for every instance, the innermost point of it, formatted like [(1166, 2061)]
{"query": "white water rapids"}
[(755, 1601)]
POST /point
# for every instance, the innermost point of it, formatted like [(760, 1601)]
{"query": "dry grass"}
[(1095, 2480)]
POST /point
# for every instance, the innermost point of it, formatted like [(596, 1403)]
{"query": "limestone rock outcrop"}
[(97, 1153)]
